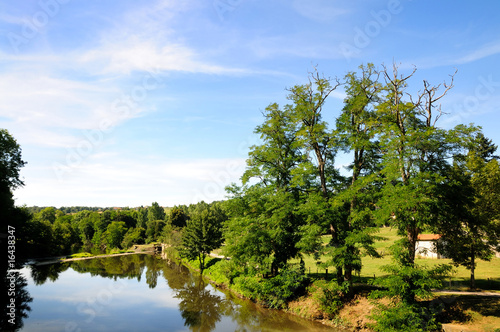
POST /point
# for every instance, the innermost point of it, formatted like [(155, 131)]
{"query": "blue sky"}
[(122, 103)]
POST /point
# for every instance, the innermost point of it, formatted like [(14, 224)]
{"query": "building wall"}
[(426, 249)]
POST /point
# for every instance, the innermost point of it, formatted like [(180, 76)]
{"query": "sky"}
[(125, 103)]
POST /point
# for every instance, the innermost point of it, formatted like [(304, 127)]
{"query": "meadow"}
[(487, 272)]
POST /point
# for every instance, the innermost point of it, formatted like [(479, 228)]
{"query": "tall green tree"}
[(356, 130), (11, 163), (416, 156), (202, 234), (317, 176), (267, 207), (273, 161)]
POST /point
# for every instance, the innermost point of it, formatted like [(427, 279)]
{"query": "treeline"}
[(51, 231), (68, 209)]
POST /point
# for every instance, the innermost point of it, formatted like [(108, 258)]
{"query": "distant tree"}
[(66, 238), (115, 233), (156, 212), (202, 234), (141, 215), (48, 214), (128, 217), (484, 147), (178, 217), (154, 230), (133, 236)]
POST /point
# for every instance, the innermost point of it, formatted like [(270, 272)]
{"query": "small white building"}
[(426, 246)]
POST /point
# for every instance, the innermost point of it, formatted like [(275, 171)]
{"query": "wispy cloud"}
[(136, 54), (457, 58), (480, 53), (319, 10), (75, 89)]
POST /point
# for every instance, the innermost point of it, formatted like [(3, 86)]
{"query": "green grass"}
[(80, 255), (487, 273)]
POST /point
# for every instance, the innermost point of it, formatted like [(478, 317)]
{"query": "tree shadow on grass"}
[(211, 262), (456, 307)]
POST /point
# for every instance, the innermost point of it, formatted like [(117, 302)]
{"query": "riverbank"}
[(468, 311), (308, 304), (458, 310)]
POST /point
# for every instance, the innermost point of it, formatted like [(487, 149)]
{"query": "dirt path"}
[(467, 293)]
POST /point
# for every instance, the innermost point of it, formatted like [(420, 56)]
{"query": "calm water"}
[(140, 293)]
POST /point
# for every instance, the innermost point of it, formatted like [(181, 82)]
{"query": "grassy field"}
[(487, 273)]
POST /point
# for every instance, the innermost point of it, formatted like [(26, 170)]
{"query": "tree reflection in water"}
[(12, 318), (42, 273), (201, 308)]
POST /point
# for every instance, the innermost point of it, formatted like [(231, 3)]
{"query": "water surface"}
[(141, 293)]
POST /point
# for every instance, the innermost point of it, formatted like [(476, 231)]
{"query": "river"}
[(139, 293)]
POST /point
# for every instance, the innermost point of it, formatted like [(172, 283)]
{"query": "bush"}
[(404, 317), (330, 296), (274, 292)]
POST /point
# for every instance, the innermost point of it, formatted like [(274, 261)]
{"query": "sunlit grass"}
[(487, 273), (80, 255)]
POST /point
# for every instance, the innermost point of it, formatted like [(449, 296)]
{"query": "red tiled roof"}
[(428, 237)]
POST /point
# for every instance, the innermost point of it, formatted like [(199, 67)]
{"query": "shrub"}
[(274, 292), (329, 294), (404, 317)]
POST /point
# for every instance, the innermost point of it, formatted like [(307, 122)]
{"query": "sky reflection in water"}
[(140, 293)]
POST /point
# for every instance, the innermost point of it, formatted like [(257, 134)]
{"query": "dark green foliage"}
[(154, 230), (66, 237), (178, 217), (408, 283), (10, 161)]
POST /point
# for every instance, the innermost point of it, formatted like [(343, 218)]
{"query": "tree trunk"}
[(412, 234), (472, 269)]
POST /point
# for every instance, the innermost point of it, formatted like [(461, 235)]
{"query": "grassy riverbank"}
[(478, 311)]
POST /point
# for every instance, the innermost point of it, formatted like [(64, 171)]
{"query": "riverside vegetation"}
[(297, 212)]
